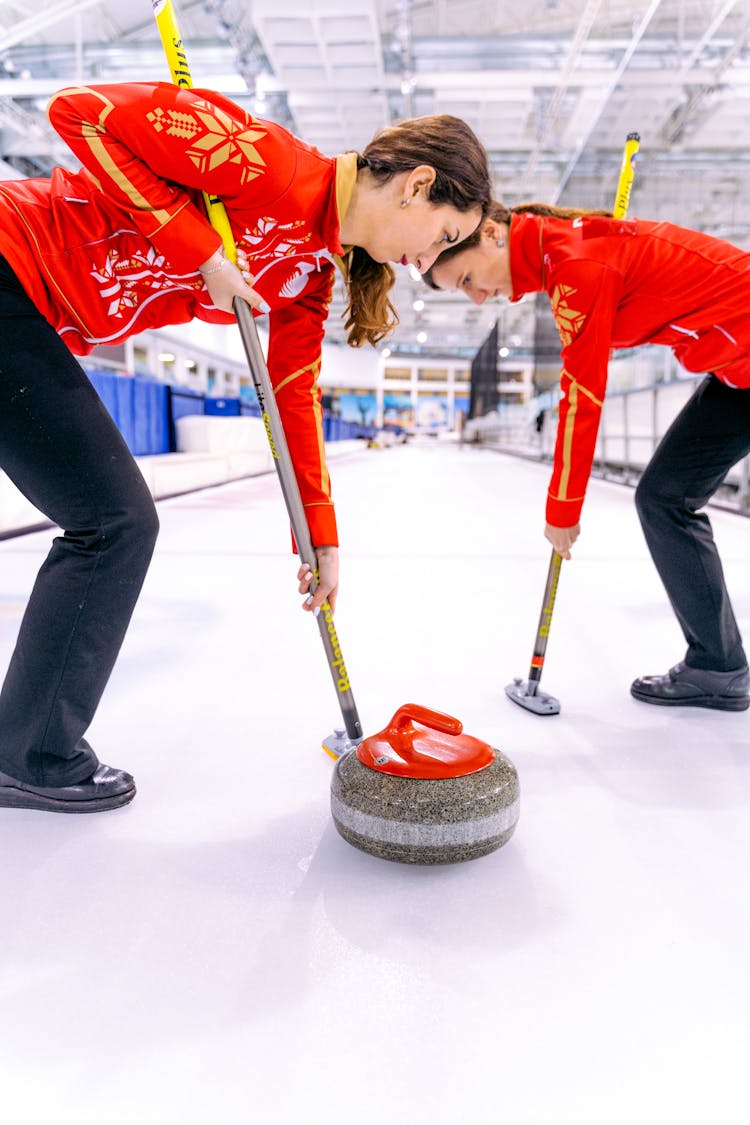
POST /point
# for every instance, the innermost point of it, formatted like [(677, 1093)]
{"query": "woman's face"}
[(407, 228), (482, 271), (422, 230)]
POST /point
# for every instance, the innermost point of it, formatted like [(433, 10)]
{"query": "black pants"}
[(709, 435), (65, 454)]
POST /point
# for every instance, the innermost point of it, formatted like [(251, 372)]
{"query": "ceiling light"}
[(414, 273), (166, 357), (385, 353), (418, 305), (421, 337)]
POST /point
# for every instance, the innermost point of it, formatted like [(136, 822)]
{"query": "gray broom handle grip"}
[(295, 508)]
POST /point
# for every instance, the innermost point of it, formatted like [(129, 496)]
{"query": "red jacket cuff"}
[(321, 519), (564, 513)]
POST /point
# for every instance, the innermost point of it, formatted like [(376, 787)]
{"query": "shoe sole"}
[(711, 702), (21, 799)]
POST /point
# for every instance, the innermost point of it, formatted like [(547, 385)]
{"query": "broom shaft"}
[(174, 50), (290, 490)]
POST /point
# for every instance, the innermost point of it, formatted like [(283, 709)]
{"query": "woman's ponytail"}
[(370, 314)]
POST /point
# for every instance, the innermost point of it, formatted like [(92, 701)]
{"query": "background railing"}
[(632, 424)]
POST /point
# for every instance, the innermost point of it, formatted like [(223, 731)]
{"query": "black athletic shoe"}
[(107, 789), (695, 687)]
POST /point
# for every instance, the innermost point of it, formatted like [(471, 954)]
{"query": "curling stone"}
[(427, 794)]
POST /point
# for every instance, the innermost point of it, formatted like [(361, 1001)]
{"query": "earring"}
[(500, 243), (405, 202)]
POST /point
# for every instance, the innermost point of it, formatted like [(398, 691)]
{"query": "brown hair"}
[(462, 179), (499, 213)]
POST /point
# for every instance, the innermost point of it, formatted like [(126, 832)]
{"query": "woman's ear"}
[(420, 180), (492, 230)]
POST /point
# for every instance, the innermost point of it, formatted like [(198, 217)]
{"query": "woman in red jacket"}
[(617, 283), (122, 245)]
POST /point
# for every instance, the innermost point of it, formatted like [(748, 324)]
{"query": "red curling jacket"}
[(618, 283), (113, 249)]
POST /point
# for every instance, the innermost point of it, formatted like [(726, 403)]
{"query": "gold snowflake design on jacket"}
[(568, 320), (214, 138)]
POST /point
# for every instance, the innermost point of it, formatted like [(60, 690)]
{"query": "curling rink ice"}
[(216, 953)]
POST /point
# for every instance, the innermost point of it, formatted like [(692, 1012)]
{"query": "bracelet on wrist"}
[(213, 269)]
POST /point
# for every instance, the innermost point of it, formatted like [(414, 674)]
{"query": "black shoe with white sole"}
[(695, 687), (108, 788)]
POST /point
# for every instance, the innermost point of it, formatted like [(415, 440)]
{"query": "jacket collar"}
[(346, 178)]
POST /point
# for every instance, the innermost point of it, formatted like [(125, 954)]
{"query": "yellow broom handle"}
[(625, 183), (166, 21)]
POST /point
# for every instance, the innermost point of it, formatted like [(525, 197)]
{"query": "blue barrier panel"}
[(341, 429), (184, 401), (103, 383), (116, 394), (124, 412), (145, 411), (138, 408), (181, 401), (150, 417), (227, 407)]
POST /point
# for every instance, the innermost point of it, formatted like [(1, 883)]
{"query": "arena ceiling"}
[(552, 88)]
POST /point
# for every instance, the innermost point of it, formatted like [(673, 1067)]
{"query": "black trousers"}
[(65, 454), (709, 435)]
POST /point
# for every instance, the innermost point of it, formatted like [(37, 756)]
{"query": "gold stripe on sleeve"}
[(314, 369), (92, 133), (567, 443), (574, 390)]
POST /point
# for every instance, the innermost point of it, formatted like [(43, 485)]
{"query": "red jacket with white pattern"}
[(618, 283), (113, 249)]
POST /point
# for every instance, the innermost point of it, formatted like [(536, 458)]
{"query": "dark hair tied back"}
[(462, 180)]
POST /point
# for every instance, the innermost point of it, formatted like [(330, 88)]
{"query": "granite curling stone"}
[(426, 794)]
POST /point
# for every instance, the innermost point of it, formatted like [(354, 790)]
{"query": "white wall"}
[(342, 366), (350, 367)]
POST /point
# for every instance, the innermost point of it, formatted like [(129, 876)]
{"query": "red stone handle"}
[(435, 720)]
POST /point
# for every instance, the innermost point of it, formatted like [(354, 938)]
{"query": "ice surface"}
[(216, 953)]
